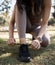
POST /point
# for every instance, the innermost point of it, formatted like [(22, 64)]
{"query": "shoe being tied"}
[(24, 55)]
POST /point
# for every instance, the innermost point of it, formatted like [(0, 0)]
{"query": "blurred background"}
[(6, 8), (8, 54)]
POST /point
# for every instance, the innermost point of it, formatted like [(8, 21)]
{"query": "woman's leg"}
[(23, 54), (46, 40), (21, 25)]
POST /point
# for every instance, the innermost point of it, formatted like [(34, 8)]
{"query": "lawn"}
[(43, 56)]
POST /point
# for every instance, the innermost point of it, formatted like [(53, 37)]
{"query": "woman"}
[(31, 16)]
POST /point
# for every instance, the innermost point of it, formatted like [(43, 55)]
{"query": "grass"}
[(44, 56)]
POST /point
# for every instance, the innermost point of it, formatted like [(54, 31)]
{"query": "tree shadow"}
[(35, 52), (50, 47), (51, 22), (13, 51)]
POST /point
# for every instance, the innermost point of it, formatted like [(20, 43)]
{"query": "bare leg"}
[(23, 54), (21, 25), (46, 40)]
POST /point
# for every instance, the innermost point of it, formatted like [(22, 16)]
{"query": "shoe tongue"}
[(24, 47)]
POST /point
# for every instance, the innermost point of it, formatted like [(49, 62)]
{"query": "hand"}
[(35, 44), (11, 41)]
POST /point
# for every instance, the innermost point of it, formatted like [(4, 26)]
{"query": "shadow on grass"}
[(9, 54)]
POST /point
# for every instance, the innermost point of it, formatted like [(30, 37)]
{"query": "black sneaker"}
[(24, 55)]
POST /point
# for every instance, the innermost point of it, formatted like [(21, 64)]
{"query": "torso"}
[(32, 16), (35, 18)]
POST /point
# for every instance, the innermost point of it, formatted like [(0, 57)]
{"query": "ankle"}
[(22, 40)]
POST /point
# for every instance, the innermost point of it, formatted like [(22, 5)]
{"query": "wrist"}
[(11, 37), (39, 39)]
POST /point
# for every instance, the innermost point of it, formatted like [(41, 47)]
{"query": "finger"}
[(38, 46), (35, 44), (33, 47), (11, 43)]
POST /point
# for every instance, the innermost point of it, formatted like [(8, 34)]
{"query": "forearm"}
[(44, 23), (11, 30), (42, 30), (11, 24)]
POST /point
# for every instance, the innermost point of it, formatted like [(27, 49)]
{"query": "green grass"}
[(44, 56), (51, 28)]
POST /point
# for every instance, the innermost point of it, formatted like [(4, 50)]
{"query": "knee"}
[(45, 42)]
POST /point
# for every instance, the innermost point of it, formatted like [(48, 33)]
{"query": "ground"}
[(44, 56)]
